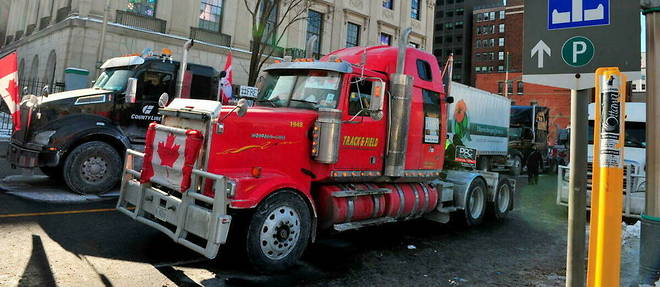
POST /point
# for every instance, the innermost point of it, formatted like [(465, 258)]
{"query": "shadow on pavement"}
[(37, 272)]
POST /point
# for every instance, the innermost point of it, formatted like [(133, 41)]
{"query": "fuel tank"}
[(343, 203)]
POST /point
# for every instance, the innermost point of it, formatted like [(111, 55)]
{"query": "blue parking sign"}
[(564, 14)]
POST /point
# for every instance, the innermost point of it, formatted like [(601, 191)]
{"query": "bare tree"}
[(269, 27)]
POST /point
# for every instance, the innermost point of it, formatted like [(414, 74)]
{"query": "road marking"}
[(60, 212)]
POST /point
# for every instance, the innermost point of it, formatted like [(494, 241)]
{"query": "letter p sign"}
[(577, 51)]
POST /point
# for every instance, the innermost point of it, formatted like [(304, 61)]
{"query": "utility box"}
[(75, 79)]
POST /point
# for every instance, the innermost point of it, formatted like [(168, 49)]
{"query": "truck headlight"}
[(43, 138)]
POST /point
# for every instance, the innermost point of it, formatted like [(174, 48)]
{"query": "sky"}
[(643, 23)]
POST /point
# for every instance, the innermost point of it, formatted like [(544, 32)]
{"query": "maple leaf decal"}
[(12, 89), (168, 151)]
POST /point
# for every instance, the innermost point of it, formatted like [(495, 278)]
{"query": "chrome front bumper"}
[(179, 217)]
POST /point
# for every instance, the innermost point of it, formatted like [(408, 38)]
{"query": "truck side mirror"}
[(377, 99), (241, 107), (131, 90), (163, 100), (45, 91)]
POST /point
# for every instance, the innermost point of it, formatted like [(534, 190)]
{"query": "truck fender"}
[(76, 129), (462, 181), (260, 188)]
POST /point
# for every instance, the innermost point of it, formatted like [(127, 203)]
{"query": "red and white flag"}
[(225, 93), (9, 87), (170, 158)]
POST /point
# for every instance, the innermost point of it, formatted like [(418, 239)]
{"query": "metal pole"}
[(649, 259), (506, 77), (577, 195), (101, 49)]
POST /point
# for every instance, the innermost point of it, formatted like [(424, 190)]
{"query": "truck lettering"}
[(360, 141), (145, 117)]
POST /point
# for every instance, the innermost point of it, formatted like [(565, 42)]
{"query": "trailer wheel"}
[(503, 201), (278, 232), (92, 168), (517, 167), (475, 203)]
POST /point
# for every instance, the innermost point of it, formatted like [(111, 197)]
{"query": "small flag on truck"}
[(226, 82), (9, 87)]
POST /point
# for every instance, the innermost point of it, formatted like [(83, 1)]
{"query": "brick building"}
[(503, 27)]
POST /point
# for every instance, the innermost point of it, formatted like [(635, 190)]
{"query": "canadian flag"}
[(225, 93), (9, 87), (169, 158)]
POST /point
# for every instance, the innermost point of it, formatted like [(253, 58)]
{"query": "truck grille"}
[(625, 175)]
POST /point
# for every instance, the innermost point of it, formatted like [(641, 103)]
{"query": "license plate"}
[(161, 213)]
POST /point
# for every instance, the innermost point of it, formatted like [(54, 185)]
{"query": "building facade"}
[(453, 34), (503, 38), (51, 35)]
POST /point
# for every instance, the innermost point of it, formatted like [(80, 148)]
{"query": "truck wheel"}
[(503, 200), (92, 168), (278, 232), (475, 203), (517, 166)]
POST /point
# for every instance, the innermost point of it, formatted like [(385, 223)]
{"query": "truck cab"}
[(81, 135), (353, 140)]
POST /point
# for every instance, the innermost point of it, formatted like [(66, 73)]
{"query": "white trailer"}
[(634, 153), (479, 120)]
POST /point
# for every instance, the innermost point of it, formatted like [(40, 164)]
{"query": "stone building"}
[(51, 35)]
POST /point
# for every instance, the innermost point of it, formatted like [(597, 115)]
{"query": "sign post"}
[(576, 38), (607, 180)]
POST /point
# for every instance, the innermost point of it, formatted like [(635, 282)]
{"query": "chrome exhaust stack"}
[(399, 115)]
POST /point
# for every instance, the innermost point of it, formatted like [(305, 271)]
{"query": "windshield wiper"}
[(314, 104), (270, 101)]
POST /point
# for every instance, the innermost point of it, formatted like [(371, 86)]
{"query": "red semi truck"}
[(353, 140)]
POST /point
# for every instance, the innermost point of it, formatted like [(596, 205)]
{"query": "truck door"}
[(134, 118), (362, 142)]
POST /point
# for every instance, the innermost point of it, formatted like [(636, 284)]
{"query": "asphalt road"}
[(90, 244)]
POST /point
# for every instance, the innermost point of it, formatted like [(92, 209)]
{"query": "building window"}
[(500, 87), (413, 45), (520, 87), (271, 21), (210, 15), (502, 14), (438, 39), (501, 28), (315, 28), (459, 25), (437, 52), (352, 35), (458, 52), (385, 39), (458, 64), (491, 43), (500, 68), (460, 11), (142, 7), (501, 42), (500, 56), (643, 87), (478, 43), (389, 4), (450, 14), (634, 86), (459, 38), (492, 16), (509, 87), (414, 9), (449, 26)]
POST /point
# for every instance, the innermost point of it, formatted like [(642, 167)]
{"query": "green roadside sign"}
[(578, 51)]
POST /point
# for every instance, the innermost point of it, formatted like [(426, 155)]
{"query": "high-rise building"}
[(453, 34)]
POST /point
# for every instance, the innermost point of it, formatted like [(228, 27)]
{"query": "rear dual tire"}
[(503, 201)]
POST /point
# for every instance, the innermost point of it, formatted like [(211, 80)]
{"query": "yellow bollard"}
[(607, 179)]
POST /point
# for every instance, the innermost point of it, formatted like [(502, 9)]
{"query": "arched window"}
[(35, 68), (51, 65)]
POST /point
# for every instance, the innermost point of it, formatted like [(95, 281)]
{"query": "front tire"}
[(278, 232), (92, 168)]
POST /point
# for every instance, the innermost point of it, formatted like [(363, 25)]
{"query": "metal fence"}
[(26, 87)]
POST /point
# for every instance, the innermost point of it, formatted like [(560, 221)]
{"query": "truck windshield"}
[(300, 89), (113, 79), (635, 134)]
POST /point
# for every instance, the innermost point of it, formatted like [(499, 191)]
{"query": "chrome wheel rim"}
[(476, 202), (503, 198), (279, 233), (94, 169)]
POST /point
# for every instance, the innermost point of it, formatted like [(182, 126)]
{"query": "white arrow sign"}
[(540, 49)]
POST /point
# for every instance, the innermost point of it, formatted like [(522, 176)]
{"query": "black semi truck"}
[(528, 132), (80, 136)]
